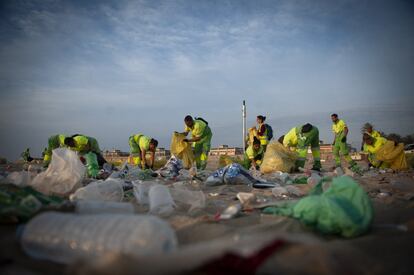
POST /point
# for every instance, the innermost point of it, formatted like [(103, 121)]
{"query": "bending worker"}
[(139, 146), (200, 137), (87, 147), (253, 155), (300, 138), (385, 153), (369, 129), (340, 130)]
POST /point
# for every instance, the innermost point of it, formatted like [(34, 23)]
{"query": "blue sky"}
[(112, 68)]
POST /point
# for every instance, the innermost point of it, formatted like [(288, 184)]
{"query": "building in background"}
[(225, 150), (117, 156)]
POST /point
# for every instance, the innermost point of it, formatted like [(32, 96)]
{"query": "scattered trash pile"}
[(138, 213)]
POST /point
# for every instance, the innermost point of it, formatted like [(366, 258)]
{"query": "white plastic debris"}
[(195, 199), (246, 198), (230, 212), (141, 191), (21, 179), (108, 190), (63, 176), (160, 200), (65, 238)]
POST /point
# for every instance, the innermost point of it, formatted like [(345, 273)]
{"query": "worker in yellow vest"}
[(369, 129), (386, 153), (371, 146), (300, 138), (253, 155), (340, 130), (200, 137), (87, 147), (262, 132), (139, 146)]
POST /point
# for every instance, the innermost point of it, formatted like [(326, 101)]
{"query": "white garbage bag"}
[(63, 176)]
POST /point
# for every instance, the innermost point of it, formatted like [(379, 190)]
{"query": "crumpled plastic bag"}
[(63, 176), (172, 168), (195, 199), (182, 150), (231, 174), (108, 190), (392, 155), (278, 158), (343, 209)]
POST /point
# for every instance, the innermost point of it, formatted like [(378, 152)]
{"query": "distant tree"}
[(394, 137), (409, 139)]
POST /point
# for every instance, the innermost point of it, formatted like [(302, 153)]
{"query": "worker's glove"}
[(185, 140), (82, 159), (343, 139)]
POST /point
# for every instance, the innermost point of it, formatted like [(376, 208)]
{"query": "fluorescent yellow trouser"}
[(201, 150), (302, 154), (53, 143), (135, 158), (340, 147)]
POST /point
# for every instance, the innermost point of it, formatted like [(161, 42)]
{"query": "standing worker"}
[(253, 155), (264, 132), (139, 146), (87, 147), (300, 138), (200, 137), (340, 131)]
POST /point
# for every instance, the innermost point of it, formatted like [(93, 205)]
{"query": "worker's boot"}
[(317, 165)]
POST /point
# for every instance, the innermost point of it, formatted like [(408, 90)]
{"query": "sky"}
[(109, 69)]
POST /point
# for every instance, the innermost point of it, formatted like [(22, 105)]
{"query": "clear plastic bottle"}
[(160, 200), (65, 238)]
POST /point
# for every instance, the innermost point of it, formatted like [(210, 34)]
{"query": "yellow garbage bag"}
[(278, 158), (393, 155), (182, 150), (252, 134)]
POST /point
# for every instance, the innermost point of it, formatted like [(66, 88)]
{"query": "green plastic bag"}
[(20, 204), (344, 209), (91, 164)]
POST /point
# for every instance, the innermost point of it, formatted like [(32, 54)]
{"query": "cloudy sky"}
[(112, 68)]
